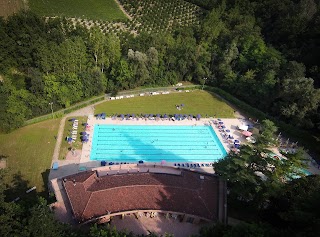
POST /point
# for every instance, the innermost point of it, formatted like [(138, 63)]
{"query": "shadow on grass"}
[(16, 191)]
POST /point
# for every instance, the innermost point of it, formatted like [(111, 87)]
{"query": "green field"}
[(195, 102), (28, 152), (106, 10)]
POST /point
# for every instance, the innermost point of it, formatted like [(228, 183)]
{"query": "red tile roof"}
[(91, 196)]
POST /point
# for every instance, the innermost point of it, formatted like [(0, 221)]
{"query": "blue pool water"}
[(132, 143)]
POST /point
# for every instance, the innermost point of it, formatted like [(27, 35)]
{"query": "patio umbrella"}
[(151, 115), (133, 115), (198, 116), (247, 133), (165, 116), (227, 130), (236, 141), (72, 120), (182, 105), (158, 115), (237, 146), (146, 115), (220, 122), (122, 116)]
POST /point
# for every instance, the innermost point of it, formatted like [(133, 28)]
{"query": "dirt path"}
[(124, 11)]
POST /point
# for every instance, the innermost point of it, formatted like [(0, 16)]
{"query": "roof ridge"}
[(144, 185)]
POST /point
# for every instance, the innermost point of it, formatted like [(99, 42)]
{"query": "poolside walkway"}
[(230, 124)]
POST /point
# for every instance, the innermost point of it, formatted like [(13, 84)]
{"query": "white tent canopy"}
[(243, 127)]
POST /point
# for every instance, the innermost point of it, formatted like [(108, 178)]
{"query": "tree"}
[(296, 207), (42, 223), (97, 46), (254, 174), (297, 96), (13, 108), (267, 136), (10, 213)]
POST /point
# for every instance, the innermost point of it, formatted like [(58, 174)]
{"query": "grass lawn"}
[(106, 10), (66, 133), (195, 102), (28, 152)]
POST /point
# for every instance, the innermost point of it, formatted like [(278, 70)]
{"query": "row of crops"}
[(148, 16)]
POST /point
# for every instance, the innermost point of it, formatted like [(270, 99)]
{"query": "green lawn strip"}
[(106, 10), (195, 102), (29, 152), (64, 148)]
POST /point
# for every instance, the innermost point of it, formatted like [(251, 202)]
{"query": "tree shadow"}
[(45, 192), (16, 190)]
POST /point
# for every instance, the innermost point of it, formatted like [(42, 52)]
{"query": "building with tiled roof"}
[(189, 195)]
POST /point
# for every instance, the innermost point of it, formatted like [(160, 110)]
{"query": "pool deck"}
[(230, 124)]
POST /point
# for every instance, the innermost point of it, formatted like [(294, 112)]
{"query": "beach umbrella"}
[(121, 115), (220, 122), (69, 139), (151, 115), (182, 105), (236, 141), (133, 115), (223, 126), (158, 115), (165, 116), (140, 161), (247, 133), (237, 146), (103, 163), (72, 120), (227, 130), (146, 115)]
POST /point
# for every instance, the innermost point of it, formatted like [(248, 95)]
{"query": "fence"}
[(62, 112)]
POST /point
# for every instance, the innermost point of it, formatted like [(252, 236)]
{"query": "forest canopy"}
[(44, 61)]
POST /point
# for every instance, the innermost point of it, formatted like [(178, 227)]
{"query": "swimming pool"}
[(132, 143)]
